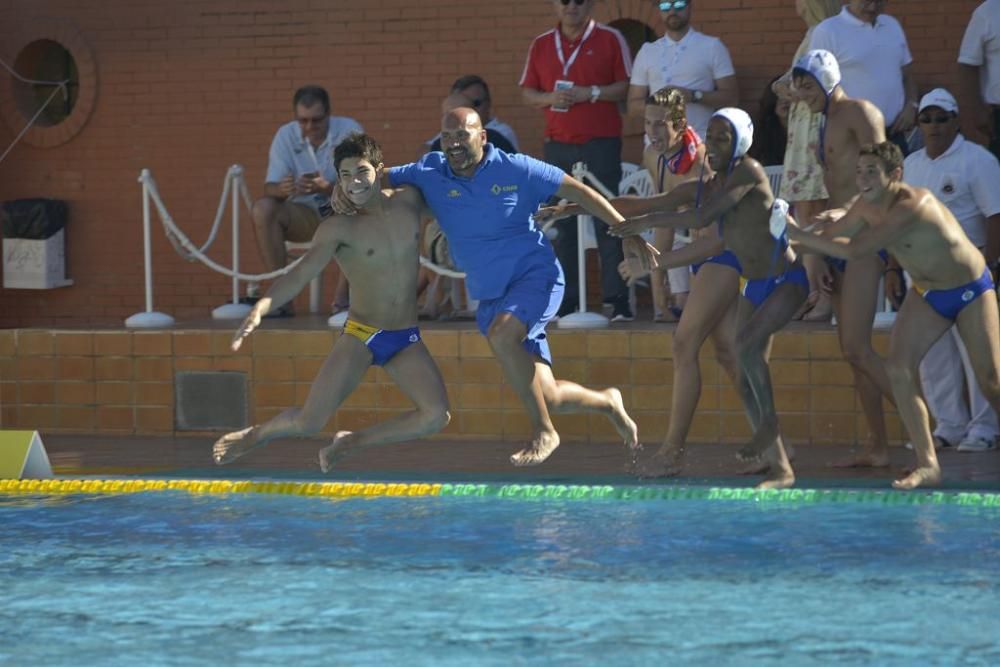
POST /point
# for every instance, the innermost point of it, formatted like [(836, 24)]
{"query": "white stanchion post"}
[(582, 319), (234, 310), (149, 319)]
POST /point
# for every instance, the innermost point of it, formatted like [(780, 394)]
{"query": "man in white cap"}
[(964, 176), (738, 197), (951, 287), (847, 125)]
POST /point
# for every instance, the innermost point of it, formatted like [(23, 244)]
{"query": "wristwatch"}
[(595, 93), (697, 95)]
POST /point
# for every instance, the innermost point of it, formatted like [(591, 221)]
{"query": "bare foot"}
[(335, 451), (822, 311), (753, 452), (665, 462), (761, 465), (779, 474), (926, 476), (866, 459), (232, 446), (540, 448), (623, 423)]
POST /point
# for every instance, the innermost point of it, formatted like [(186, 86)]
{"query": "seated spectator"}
[(477, 95), (300, 178)]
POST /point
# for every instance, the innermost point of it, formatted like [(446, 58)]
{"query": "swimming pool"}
[(173, 578)]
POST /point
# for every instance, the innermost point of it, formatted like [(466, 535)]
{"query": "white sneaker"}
[(939, 444), (979, 444)]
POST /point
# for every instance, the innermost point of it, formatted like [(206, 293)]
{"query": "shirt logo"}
[(497, 189), (454, 193)]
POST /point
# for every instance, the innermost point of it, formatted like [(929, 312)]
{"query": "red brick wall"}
[(188, 87)]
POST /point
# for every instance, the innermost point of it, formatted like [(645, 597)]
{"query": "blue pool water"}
[(172, 579)]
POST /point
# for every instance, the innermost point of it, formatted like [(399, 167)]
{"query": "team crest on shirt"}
[(454, 193), (497, 189), (948, 187)]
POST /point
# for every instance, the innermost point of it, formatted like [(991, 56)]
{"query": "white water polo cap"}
[(822, 66), (742, 126)]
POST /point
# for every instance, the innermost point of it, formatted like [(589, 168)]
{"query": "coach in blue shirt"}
[(483, 199)]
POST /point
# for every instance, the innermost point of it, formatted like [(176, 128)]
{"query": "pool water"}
[(174, 579)]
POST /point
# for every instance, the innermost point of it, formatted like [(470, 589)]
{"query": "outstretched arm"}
[(868, 241), (287, 286)]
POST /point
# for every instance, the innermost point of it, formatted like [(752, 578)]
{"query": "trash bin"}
[(34, 247)]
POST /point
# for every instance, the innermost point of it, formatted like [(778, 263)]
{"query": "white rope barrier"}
[(234, 189), (60, 87)]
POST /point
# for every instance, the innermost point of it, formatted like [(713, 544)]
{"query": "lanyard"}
[(566, 64)]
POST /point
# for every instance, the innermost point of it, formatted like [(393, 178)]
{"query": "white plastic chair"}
[(316, 284), (774, 173)]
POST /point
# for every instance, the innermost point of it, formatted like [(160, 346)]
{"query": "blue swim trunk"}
[(725, 258), (758, 290), (841, 264), (532, 297), (384, 345), (948, 303)]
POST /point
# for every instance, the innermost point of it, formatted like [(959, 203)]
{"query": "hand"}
[(640, 256), (563, 99), (342, 205), (823, 219), (550, 214), (309, 184), (895, 287), (905, 121), (580, 94), (286, 186), (631, 227), (251, 322)]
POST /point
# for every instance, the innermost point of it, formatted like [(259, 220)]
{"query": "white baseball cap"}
[(940, 98)]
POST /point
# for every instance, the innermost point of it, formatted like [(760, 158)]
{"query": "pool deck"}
[(476, 460)]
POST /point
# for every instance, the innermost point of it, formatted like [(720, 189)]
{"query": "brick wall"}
[(188, 87)]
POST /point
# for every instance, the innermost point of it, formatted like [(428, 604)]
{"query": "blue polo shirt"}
[(487, 217)]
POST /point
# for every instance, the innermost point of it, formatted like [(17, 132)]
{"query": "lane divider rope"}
[(512, 491)]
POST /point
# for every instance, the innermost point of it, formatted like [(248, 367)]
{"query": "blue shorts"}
[(758, 290), (532, 297), (725, 258), (841, 264), (384, 345), (948, 303)]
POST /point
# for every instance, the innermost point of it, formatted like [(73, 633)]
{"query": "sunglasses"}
[(476, 103), (579, 2), (676, 5), (936, 120)]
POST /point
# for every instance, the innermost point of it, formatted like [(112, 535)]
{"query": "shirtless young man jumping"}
[(378, 251), (951, 286), (849, 124), (738, 197)]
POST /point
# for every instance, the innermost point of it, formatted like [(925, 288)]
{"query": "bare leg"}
[(917, 327), (857, 297), (716, 290), (269, 221), (756, 390), (979, 327), (418, 377), (505, 336), (659, 283), (820, 303), (338, 376)]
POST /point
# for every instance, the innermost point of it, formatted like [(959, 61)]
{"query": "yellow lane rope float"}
[(511, 491)]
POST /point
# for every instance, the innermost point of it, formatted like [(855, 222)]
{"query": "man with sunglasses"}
[(300, 178), (875, 62), (694, 63), (577, 73), (964, 176)]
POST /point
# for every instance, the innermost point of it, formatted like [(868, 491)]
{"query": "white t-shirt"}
[(966, 178), (981, 47), (696, 62), (290, 155), (870, 57)]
